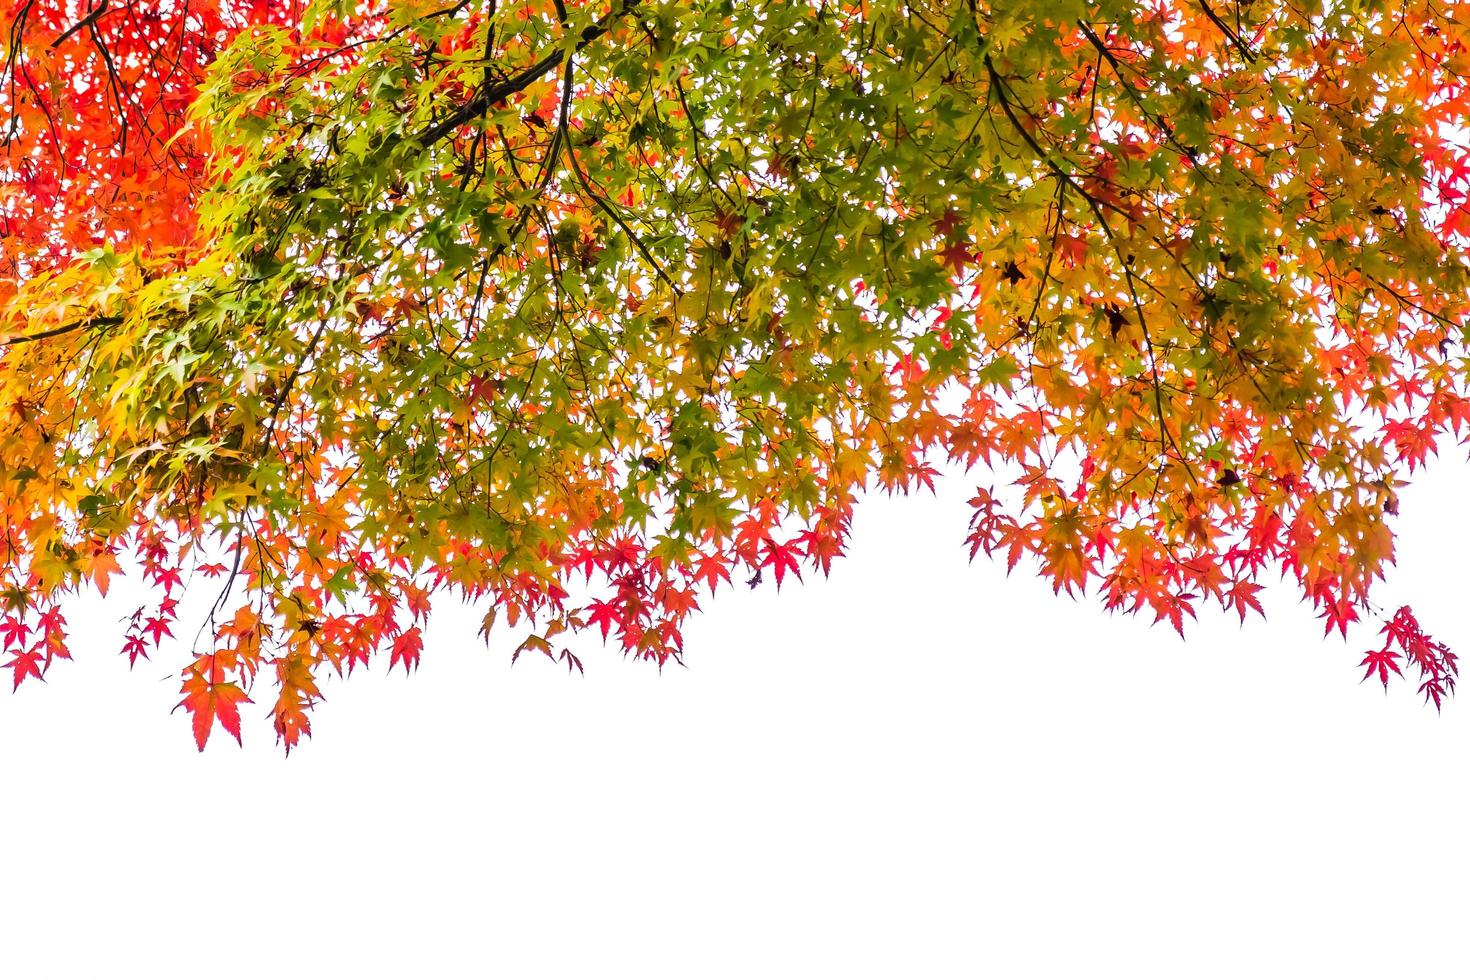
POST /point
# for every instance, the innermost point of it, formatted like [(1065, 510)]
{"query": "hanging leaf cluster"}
[(327, 310)]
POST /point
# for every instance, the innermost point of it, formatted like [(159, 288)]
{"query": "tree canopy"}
[(583, 310)]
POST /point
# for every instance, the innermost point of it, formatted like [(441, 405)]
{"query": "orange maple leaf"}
[(210, 702)]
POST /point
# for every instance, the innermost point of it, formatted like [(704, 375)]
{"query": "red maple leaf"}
[(25, 664), (604, 614), (168, 577), (134, 647), (159, 627), (821, 547), (956, 256), (1242, 597), (1435, 689), (51, 621), (784, 557), (14, 631), (709, 569), (407, 647), (1381, 662), (947, 223)]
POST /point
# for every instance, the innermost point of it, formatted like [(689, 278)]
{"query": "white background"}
[(918, 768)]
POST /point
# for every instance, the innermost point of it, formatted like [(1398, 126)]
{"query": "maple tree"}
[(582, 309)]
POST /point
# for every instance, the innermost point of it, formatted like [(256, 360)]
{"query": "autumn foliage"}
[(581, 311)]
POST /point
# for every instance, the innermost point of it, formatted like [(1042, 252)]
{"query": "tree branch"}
[(65, 328), (607, 209), (86, 22), (490, 95), (1234, 38)]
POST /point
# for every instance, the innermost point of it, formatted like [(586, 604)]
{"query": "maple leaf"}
[(532, 642), (1242, 597), (407, 647), (605, 614), (208, 703), (821, 547), (417, 601), (948, 223), (955, 256), (168, 577), (51, 621), (26, 663), (159, 627), (1380, 662), (710, 569), (135, 646), (104, 566), (290, 721), (1073, 249), (1435, 689), (1413, 442), (1337, 612), (783, 558), (1116, 319), (13, 631)]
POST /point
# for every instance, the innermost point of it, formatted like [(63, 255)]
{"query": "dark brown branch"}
[(489, 96), (1230, 34), (1132, 93), (65, 328), (81, 25), (997, 85)]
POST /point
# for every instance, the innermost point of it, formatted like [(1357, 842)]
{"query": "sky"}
[(918, 767)]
